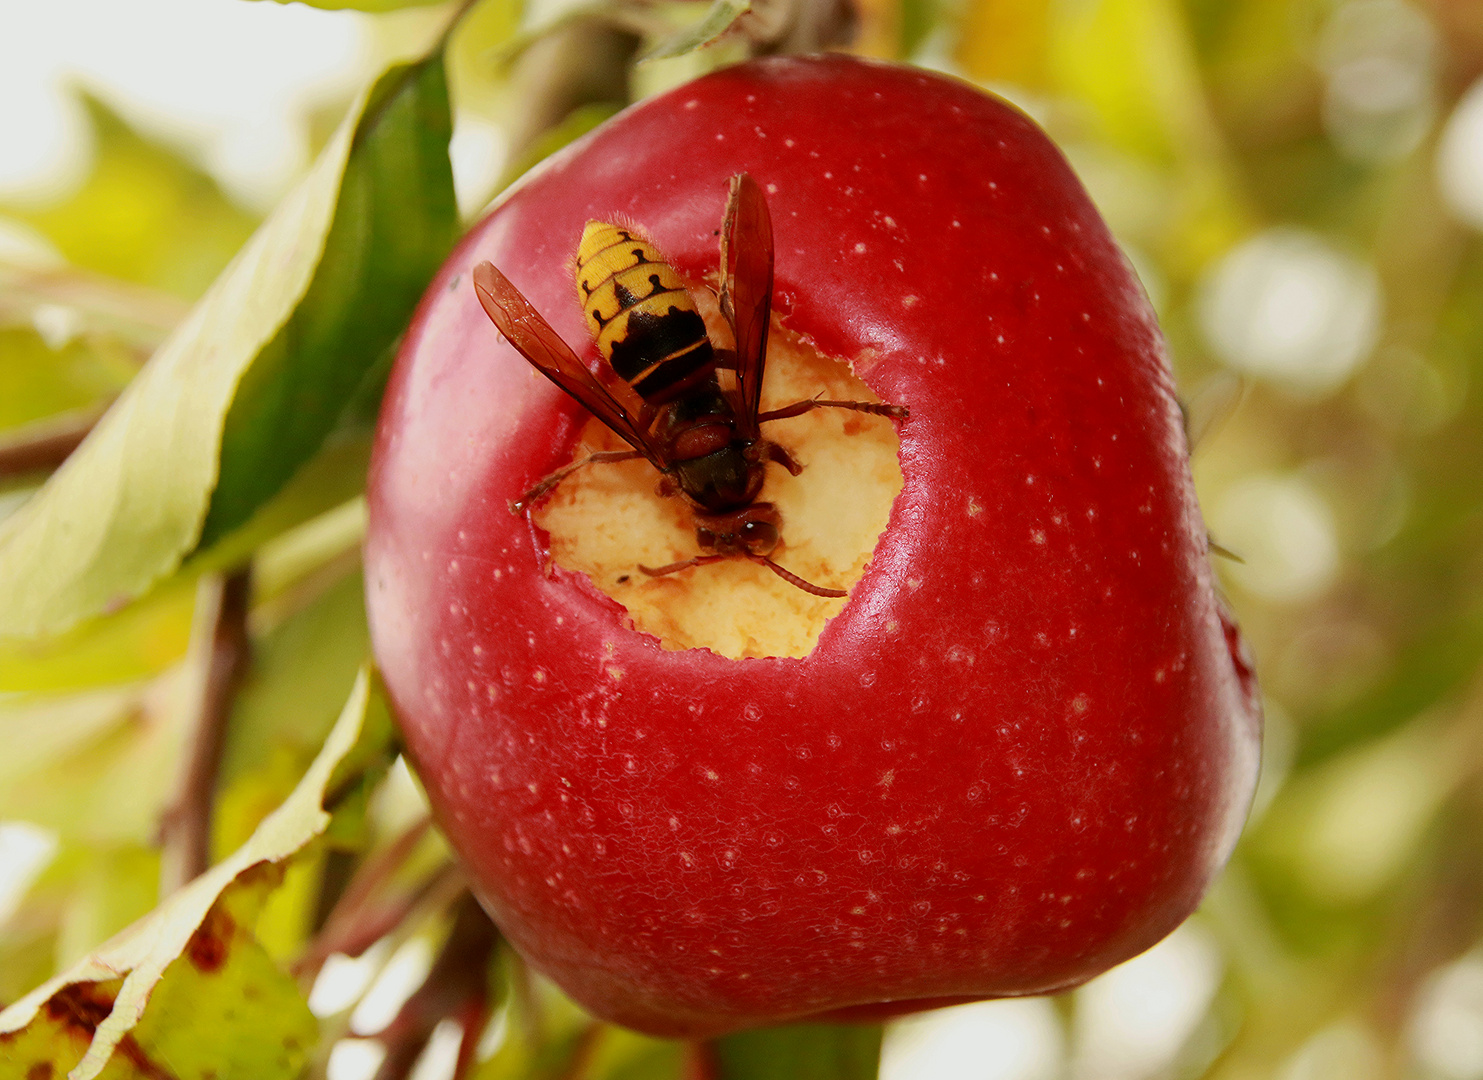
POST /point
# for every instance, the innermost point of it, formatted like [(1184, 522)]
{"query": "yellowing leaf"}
[(1131, 64), (37, 381), (105, 890), (262, 364), (249, 1018), (98, 766), (223, 1007), (363, 5), (1122, 76), (141, 640)]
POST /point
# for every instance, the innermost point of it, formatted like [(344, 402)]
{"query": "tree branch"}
[(355, 923), (220, 630), (140, 316), (45, 444), (457, 986)]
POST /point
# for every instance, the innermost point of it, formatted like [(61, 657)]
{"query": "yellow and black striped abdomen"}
[(645, 322)]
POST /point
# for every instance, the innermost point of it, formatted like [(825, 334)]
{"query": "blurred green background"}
[(1299, 183)]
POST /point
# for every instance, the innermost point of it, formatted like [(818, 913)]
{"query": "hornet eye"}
[(761, 534)]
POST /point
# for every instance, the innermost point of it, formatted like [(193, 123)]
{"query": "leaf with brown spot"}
[(224, 1007), (207, 948), (188, 989), (60, 1033)]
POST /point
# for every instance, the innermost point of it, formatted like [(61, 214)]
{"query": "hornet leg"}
[(549, 481), (798, 408)]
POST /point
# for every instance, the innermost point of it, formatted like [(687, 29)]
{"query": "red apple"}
[(1025, 744)]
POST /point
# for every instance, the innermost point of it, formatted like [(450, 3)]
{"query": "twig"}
[(44, 445), (458, 16), (276, 608), (1438, 931), (334, 879), (457, 986), (1440, 927), (141, 315), (584, 62), (778, 27), (378, 869), (355, 924), (221, 630)]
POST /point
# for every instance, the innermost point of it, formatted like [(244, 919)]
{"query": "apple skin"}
[(1027, 744)]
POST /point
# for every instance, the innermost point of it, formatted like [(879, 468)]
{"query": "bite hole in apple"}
[(607, 520)]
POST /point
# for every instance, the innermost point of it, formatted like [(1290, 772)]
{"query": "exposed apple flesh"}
[(607, 521), (1025, 744)]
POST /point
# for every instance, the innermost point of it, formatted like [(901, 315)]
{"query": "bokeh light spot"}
[(1446, 1028), (1283, 530), (1379, 57), (1460, 158), (1289, 307), (1132, 1022), (1016, 1039)]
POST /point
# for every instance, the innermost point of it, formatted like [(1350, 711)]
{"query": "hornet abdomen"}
[(644, 321)]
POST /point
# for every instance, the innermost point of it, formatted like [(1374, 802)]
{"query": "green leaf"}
[(918, 19), (323, 487), (396, 220), (716, 22), (621, 1054), (1131, 64), (800, 1052), (198, 997), (317, 516), (547, 1035), (141, 640), (108, 888), (258, 372)]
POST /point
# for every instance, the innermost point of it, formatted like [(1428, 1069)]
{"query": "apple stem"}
[(701, 1062)]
